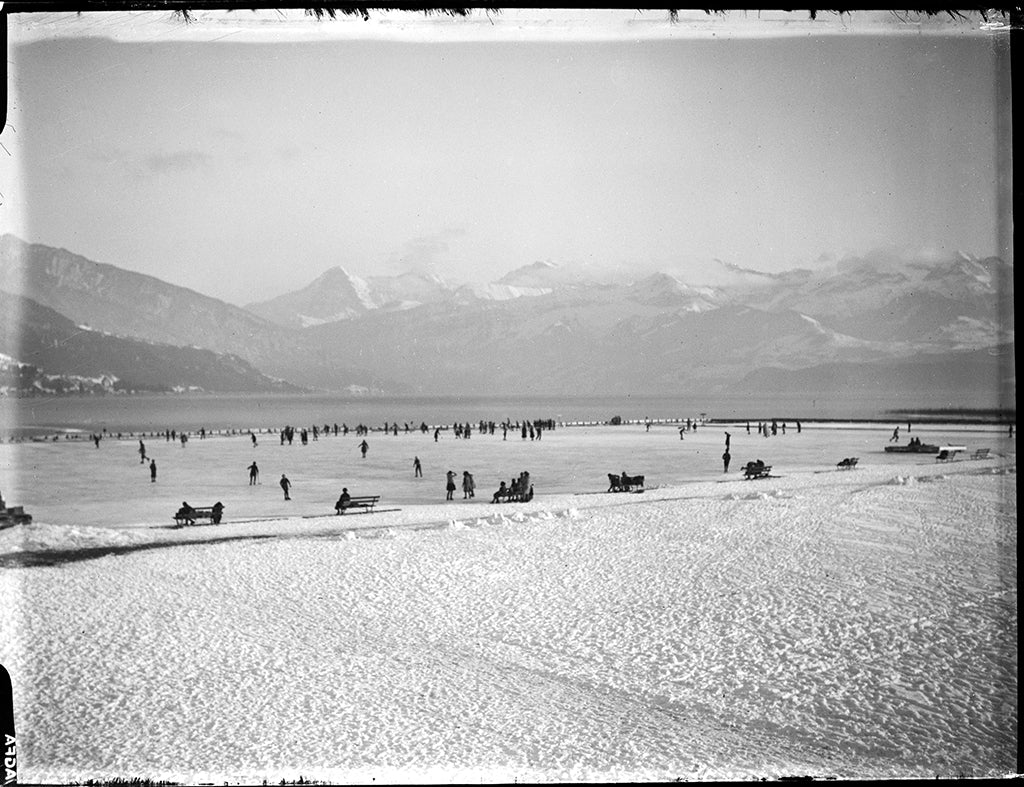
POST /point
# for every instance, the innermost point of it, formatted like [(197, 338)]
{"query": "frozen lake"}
[(72, 482)]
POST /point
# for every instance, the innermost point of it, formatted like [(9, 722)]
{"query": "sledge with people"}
[(625, 483), (757, 469), (915, 446)]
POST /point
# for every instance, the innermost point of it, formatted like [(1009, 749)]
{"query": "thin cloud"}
[(421, 255)]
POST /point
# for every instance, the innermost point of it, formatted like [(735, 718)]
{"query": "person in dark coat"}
[(285, 485), (726, 458), (152, 470), (254, 474), (417, 468), (218, 512), (187, 513), (450, 487), (343, 501)]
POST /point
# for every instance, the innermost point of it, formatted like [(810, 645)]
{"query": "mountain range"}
[(918, 326)]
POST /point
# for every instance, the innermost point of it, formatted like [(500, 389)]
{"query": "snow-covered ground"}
[(857, 624)]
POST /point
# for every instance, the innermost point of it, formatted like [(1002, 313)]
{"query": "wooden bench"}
[(754, 470), (366, 502), (848, 463), (191, 517), (981, 453)]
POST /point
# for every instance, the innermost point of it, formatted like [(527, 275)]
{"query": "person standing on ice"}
[(417, 468), (254, 474), (726, 458), (364, 447), (727, 438), (450, 486), (285, 485), (468, 486), (152, 471), (142, 453)]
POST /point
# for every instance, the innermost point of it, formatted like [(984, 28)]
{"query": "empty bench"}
[(366, 502), (981, 453)]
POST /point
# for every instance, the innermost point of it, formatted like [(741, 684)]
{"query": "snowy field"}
[(858, 624)]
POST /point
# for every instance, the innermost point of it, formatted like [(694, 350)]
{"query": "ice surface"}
[(829, 623)]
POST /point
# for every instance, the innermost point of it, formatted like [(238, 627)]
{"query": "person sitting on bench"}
[(218, 511), (343, 501), (187, 513)]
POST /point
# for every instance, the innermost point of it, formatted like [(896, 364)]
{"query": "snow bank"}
[(826, 624)]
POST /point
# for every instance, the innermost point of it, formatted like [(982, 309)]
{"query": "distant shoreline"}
[(47, 434), (237, 414)]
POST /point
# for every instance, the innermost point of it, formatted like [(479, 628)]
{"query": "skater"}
[(682, 429), (417, 468), (436, 433), (285, 485), (253, 439), (450, 486), (467, 485), (254, 474), (364, 447), (142, 453), (895, 435), (152, 471), (726, 458), (727, 438)]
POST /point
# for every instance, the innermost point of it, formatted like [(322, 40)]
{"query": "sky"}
[(245, 154)]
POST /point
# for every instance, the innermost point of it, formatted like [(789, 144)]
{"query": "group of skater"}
[(468, 485), (764, 428)]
